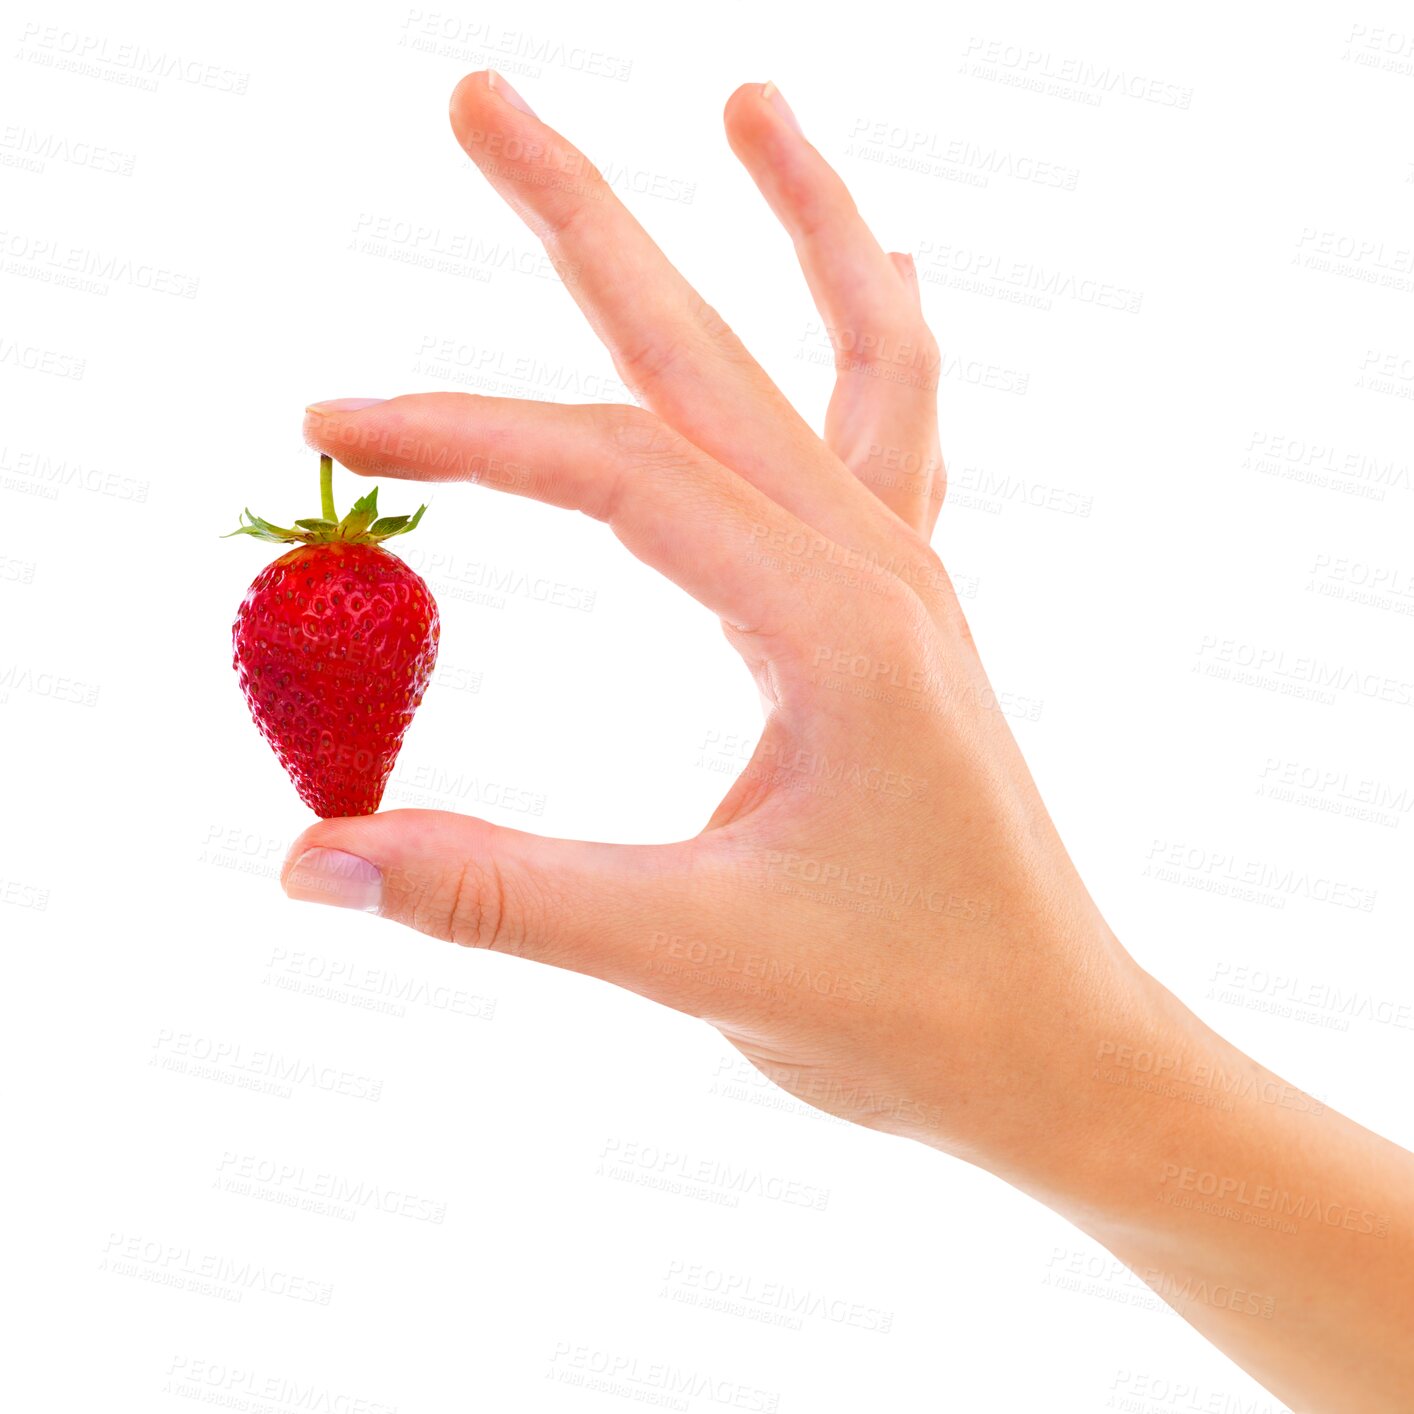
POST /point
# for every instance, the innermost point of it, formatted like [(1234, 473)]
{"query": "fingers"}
[(670, 504), (882, 420), (592, 908), (668, 345)]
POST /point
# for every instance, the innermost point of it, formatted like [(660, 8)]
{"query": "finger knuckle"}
[(923, 572), (701, 338), (634, 432), (468, 907), (646, 362), (715, 330), (900, 612), (903, 351), (586, 193), (921, 605), (923, 590)]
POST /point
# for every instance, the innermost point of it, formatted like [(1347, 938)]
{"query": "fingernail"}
[(497, 84), (342, 405), (330, 876), (777, 100)]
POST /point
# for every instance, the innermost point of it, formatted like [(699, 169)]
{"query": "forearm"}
[(1278, 1228)]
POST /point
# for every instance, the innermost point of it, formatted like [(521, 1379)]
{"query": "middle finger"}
[(670, 347)]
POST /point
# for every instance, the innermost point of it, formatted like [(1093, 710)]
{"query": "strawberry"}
[(334, 644)]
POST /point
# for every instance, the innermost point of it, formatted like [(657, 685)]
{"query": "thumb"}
[(601, 909)]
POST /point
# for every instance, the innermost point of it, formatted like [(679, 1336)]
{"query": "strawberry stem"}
[(326, 488), (362, 526)]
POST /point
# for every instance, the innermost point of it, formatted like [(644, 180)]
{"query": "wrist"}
[(1169, 1140), (1133, 1084)]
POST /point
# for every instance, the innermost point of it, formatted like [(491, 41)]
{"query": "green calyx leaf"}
[(364, 513), (396, 525), (361, 526), (263, 530)]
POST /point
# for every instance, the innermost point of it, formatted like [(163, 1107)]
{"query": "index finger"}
[(674, 507)]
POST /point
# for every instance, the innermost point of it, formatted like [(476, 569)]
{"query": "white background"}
[(1182, 492)]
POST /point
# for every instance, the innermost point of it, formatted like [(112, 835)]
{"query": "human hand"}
[(880, 914)]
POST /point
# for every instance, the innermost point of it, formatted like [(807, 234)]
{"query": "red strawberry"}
[(334, 644)]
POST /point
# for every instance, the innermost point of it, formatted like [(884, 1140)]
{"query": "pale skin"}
[(912, 948)]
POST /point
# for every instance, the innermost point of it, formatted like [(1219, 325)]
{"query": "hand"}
[(880, 915)]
